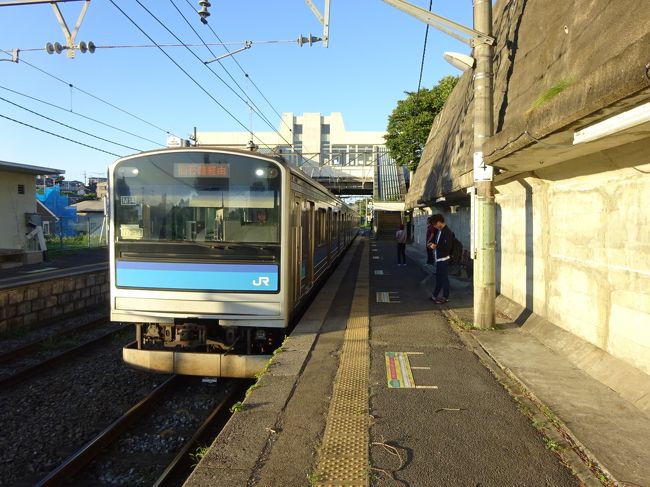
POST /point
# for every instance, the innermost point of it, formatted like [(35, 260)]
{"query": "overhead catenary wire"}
[(68, 126), (259, 111), (71, 85), (153, 46), (135, 24), (162, 24), (80, 115), (59, 136), (424, 52), (245, 73)]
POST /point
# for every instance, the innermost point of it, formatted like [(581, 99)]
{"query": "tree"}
[(410, 123)]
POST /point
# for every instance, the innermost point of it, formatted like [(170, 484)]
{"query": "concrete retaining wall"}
[(31, 304), (573, 246)]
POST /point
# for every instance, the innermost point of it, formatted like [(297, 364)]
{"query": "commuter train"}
[(212, 253)]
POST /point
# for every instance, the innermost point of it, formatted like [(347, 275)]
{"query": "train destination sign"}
[(191, 170)]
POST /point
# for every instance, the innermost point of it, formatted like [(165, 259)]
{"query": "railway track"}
[(23, 350), (77, 468), (29, 360)]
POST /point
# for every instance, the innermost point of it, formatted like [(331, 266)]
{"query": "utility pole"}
[(485, 238), (484, 217)]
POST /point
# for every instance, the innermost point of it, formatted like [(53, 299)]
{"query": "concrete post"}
[(485, 263)]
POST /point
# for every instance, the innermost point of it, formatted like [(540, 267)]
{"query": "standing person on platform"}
[(400, 236), (442, 249), (431, 236)]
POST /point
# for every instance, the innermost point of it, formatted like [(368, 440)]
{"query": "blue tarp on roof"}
[(59, 205)]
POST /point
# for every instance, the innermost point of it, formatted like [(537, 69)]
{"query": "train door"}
[(307, 241), (296, 249), (328, 234)]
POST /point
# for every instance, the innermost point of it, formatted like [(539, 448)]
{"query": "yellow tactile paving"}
[(343, 456)]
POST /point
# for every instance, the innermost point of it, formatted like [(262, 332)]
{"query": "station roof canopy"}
[(26, 168)]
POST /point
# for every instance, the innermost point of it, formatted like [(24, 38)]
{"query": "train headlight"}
[(128, 172), (259, 172)]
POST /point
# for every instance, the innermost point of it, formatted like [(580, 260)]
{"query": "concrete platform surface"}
[(561, 371), (59, 264), (455, 425)]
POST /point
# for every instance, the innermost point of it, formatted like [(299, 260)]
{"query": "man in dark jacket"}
[(442, 247)]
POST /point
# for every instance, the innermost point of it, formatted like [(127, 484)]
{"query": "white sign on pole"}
[(482, 172)]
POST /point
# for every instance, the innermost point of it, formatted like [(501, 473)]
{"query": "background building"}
[(18, 203), (348, 162)]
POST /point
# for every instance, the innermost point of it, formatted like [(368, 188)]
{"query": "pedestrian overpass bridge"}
[(380, 178)]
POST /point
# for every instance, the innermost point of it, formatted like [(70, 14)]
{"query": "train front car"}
[(196, 260)]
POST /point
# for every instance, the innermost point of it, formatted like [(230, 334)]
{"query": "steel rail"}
[(35, 369), (87, 453), (25, 349), (219, 414)]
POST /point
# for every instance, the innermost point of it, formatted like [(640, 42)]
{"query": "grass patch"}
[(313, 478), (237, 407), (198, 455), (551, 93), (461, 323), (552, 445)]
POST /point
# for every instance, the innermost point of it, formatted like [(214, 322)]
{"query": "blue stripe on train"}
[(198, 277)]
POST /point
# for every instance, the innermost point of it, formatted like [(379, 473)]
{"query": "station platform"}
[(379, 386), (58, 265)]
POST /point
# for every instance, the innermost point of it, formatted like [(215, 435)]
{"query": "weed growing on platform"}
[(250, 389), (198, 455), (461, 323), (237, 407), (552, 445), (313, 478)]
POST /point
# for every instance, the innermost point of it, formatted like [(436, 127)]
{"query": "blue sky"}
[(373, 58)]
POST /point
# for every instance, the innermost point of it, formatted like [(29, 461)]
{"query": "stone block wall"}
[(33, 304)]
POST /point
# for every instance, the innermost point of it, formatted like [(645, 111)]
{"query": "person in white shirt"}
[(400, 236)]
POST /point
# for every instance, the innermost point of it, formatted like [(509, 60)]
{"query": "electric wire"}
[(149, 46), (91, 95), (162, 24), (135, 24), (424, 51), (81, 115), (69, 126), (250, 101), (59, 136), (245, 73), (211, 70)]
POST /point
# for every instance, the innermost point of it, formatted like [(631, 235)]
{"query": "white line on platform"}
[(421, 368), (41, 270), (426, 387)]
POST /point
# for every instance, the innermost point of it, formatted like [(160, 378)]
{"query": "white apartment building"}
[(323, 149)]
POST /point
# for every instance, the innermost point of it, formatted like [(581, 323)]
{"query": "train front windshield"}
[(200, 204)]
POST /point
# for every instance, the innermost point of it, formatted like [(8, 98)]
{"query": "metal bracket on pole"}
[(324, 19), (70, 36), (443, 24)]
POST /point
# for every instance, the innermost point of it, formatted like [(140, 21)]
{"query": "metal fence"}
[(82, 231)]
